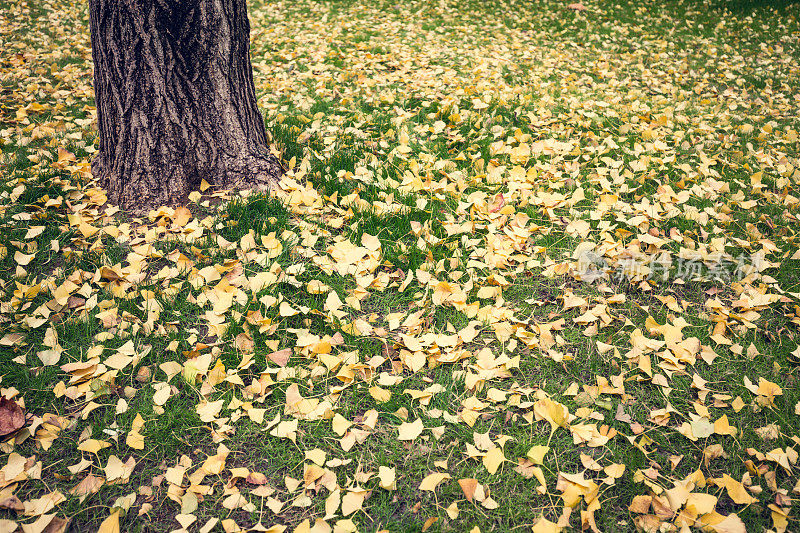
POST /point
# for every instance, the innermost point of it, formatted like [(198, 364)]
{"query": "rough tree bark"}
[(175, 100)]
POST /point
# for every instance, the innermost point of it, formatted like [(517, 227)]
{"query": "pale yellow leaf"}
[(410, 430), (537, 453), (110, 524), (493, 459), (387, 478), (432, 481)]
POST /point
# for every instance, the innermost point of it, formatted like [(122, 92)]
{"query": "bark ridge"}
[(175, 100)]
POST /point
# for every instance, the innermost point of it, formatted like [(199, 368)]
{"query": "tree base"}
[(145, 189), (176, 102)]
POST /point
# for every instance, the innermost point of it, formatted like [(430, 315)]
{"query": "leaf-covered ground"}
[(532, 267)]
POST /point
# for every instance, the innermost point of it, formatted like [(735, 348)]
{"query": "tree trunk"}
[(175, 101)]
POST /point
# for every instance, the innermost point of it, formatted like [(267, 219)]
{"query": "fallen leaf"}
[(432, 481), (736, 491), (88, 485), (110, 524), (281, 357), (468, 487), (493, 459), (410, 430), (387, 478), (11, 416), (352, 501)]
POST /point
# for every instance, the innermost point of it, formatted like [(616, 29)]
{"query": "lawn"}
[(530, 268)]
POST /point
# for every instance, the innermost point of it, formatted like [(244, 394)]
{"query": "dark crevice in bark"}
[(175, 100)]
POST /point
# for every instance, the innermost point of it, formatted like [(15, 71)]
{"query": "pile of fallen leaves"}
[(581, 283)]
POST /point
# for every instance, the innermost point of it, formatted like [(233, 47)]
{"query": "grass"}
[(450, 142)]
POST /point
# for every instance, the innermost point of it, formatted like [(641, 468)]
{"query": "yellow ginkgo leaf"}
[(332, 503), (432, 481), (135, 439), (410, 430), (555, 413), (736, 491), (317, 456), (352, 501), (333, 302), (287, 310), (22, 259), (730, 524), (379, 394), (110, 524), (537, 453), (493, 459), (340, 424), (93, 445), (723, 427), (387, 478), (700, 503), (316, 287), (543, 525), (614, 470)]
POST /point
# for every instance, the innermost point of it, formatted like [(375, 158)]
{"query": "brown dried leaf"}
[(468, 487), (89, 485), (11, 416), (256, 478), (244, 343), (281, 357), (12, 503)]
